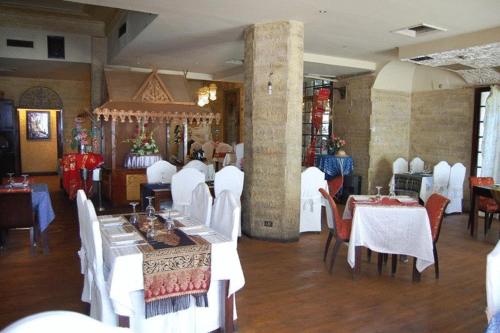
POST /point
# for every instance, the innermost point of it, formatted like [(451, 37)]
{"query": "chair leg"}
[(327, 245), (436, 261), (394, 266), (380, 260), (32, 241), (486, 216), (416, 273), (386, 257), (336, 249), (369, 254)]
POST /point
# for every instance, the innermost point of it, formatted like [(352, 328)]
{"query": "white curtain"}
[(491, 136)]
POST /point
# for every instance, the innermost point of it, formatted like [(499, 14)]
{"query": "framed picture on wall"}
[(38, 125)]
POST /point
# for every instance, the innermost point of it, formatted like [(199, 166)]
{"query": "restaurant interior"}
[(266, 166)]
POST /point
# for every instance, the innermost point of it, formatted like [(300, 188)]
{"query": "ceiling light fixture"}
[(207, 94)]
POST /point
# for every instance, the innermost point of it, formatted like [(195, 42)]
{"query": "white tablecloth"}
[(126, 287), (392, 230), (493, 281)]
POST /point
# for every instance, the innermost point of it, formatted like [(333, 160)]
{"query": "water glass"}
[(151, 229), (134, 218), (150, 210), (379, 195), (11, 179), (25, 180)]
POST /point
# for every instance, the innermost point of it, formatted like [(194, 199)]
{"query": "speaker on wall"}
[(55, 47)]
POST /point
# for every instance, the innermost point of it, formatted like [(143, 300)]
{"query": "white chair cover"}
[(61, 321), (493, 281), (239, 150), (229, 178), (416, 165), (211, 172), (195, 146), (81, 197), (226, 215), (160, 172), (229, 159), (312, 179), (101, 307), (456, 188), (201, 204), (183, 184), (441, 178), (208, 148), (400, 165), (223, 147), (198, 165)]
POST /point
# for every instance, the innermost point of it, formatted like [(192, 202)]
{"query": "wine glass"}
[(392, 194), (150, 210), (151, 230), (25, 180), (379, 196), (11, 179), (134, 218)]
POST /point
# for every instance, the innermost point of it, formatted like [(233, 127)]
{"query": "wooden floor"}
[(288, 288)]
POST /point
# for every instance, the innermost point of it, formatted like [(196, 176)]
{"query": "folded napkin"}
[(362, 197), (200, 230)]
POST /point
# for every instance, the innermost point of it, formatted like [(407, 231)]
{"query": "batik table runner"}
[(176, 268)]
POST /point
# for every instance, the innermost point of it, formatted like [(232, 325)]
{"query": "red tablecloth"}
[(71, 165)]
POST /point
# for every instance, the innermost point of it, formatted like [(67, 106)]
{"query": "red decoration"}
[(72, 163), (311, 153)]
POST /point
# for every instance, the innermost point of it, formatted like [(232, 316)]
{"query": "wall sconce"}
[(270, 85)]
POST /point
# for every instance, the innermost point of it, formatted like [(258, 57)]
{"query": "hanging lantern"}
[(212, 88)]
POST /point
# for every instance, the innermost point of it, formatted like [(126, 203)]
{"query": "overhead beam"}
[(231, 72), (190, 75), (463, 41), (339, 61)]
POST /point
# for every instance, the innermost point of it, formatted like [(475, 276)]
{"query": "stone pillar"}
[(97, 86), (273, 130)]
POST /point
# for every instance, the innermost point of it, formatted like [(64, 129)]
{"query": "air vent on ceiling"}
[(418, 30), (19, 43), (55, 47), (423, 58), (122, 30), (456, 67)]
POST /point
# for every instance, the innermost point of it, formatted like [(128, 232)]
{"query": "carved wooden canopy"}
[(151, 101)]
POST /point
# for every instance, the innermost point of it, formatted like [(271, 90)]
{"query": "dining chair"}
[(335, 184), (160, 172), (183, 184), (208, 149), (61, 321), (229, 178), (23, 218), (226, 214), (338, 228), (455, 191), (486, 205), (400, 165), (239, 150), (223, 147), (417, 165), (201, 204), (101, 307), (198, 165), (311, 180), (195, 146), (81, 198), (441, 178), (492, 281)]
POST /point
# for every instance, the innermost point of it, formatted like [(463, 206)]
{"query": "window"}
[(477, 141)]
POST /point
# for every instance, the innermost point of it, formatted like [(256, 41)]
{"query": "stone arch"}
[(40, 98)]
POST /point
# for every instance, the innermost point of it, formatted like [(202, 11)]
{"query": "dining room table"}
[(124, 256), (391, 225), (162, 193), (334, 165), (419, 182)]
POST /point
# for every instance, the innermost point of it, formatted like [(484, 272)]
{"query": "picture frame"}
[(38, 125)]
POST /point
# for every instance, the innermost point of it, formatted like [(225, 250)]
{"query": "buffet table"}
[(71, 166), (334, 166)]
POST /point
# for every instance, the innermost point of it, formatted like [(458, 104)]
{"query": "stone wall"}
[(390, 135), (351, 121), (75, 96), (441, 128)]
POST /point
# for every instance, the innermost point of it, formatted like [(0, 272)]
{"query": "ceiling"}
[(341, 37), (44, 69)]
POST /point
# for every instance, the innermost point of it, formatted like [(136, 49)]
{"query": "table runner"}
[(176, 267)]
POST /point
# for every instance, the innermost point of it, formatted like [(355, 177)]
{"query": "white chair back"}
[(195, 146), (61, 321), (223, 147), (456, 188), (229, 159), (229, 178), (183, 184), (417, 165), (160, 172), (81, 198), (400, 165), (201, 204), (239, 150), (441, 178), (312, 179), (208, 149), (492, 281), (198, 165), (226, 215)]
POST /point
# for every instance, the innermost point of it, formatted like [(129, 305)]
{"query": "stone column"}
[(273, 130)]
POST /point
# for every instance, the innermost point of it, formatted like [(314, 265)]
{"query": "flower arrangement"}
[(335, 143), (142, 142), (84, 139)]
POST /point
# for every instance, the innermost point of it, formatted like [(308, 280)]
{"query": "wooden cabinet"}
[(120, 186), (9, 138)]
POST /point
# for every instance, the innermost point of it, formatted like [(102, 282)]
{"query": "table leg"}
[(416, 273), (357, 262), (228, 309), (473, 212)]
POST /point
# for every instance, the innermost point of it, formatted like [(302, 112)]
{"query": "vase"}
[(332, 151), (341, 152)]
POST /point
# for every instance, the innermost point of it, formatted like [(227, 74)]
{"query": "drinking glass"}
[(169, 221), (379, 196), (150, 210), (134, 218), (392, 195), (11, 179), (25, 180), (151, 230)]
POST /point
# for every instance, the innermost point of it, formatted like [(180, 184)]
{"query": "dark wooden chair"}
[(16, 212), (334, 185), (338, 227), (486, 205)]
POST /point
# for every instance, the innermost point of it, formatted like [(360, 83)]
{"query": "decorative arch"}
[(40, 98)]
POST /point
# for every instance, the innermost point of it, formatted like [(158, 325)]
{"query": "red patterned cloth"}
[(72, 164), (385, 201), (488, 205)]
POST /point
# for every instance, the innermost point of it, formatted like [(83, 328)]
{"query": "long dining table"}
[(123, 262), (389, 225)]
